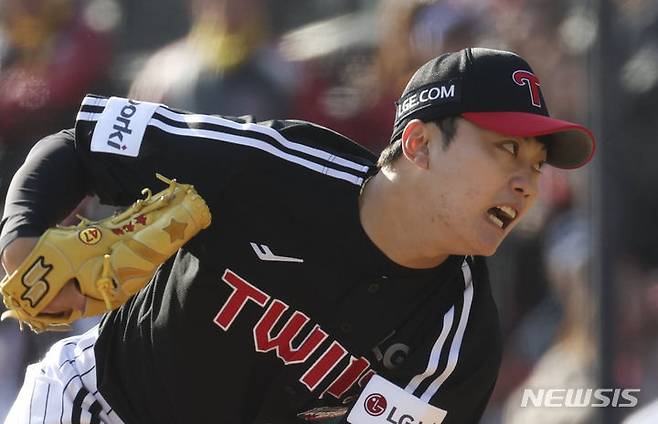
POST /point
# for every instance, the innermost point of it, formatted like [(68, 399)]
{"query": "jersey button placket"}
[(375, 286)]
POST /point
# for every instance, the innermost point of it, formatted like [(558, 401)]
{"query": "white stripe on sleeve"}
[(268, 131), (251, 142)]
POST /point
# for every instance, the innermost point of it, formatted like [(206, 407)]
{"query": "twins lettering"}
[(282, 343)]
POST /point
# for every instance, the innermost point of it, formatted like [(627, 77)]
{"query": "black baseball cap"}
[(495, 90)]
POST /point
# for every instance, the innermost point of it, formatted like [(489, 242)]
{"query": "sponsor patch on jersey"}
[(121, 126), (383, 402)]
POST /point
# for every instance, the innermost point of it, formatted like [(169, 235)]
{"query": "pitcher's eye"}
[(511, 146), (538, 166)]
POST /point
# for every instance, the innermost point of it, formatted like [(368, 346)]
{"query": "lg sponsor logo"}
[(579, 398), (376, 404), (430, 94)]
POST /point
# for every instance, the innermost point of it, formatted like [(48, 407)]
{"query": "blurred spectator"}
[(52, 52), (293, 14), (224, 65), (629, 102), (636, 329), (570, 361), (353, 88), (646, 415)]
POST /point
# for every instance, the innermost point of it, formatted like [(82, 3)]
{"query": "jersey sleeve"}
[(123, 143), (119, 144), (114, 152), (45, 189)]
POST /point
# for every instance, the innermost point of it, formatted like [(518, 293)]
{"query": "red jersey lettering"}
[(348, 377), (282, 343), (323, 366), (242, 292)]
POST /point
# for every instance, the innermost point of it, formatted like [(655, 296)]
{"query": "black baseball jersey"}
[(283, 304)]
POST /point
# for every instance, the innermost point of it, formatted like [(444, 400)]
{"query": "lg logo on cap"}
[(529, 79)]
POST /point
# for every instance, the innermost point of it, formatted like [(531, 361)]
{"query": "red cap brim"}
[(570, 146)]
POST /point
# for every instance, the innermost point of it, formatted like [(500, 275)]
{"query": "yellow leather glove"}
[(110, 259)]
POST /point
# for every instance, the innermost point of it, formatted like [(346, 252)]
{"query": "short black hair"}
[(448, 127)]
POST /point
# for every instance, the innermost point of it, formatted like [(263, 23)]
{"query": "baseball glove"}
[(110, 259)]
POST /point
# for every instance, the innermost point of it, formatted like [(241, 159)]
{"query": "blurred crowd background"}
[(576, 285)]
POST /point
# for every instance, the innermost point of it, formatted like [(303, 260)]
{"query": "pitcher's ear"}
[(415, 138)]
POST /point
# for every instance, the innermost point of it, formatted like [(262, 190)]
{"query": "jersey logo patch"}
[(265, 254), (121, 126), (382, 401)]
